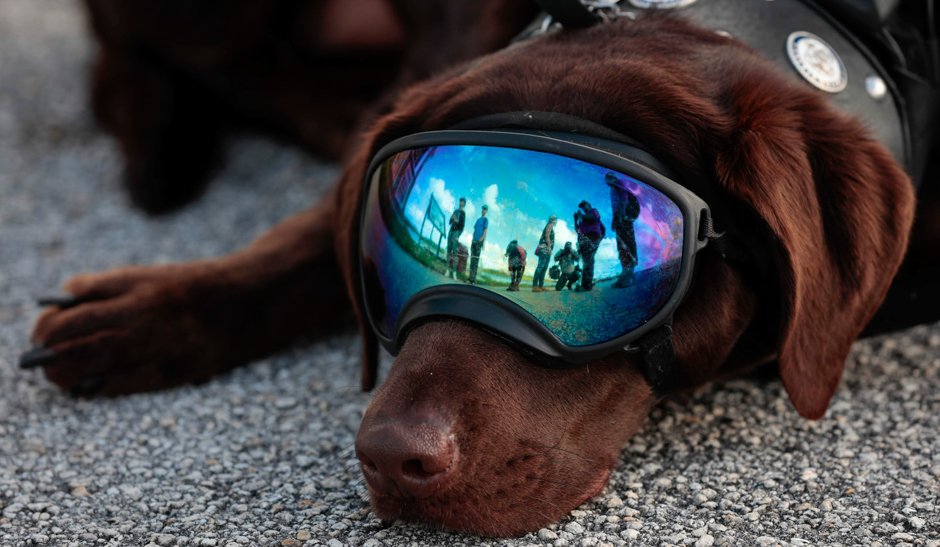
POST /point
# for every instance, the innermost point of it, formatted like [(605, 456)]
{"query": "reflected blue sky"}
[(522, 188)]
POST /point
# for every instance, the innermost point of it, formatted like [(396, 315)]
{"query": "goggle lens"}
[(425, 227)]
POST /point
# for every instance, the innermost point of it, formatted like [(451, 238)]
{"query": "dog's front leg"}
[(142, 328)]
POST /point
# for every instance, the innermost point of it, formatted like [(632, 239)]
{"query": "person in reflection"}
[(574, 277), (587, 222), (567, 260), (544, 252), (516, 255), (457, 220), (476, 246), (626, 209)]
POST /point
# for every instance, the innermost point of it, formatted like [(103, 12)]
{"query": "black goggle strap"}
[(656, 351), (571, 14), (658, 359)]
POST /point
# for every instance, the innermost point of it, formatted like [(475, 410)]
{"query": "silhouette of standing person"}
[(626, 209), (516, 255), (476, 246), (544, 252), (456, 228), (587, 222)]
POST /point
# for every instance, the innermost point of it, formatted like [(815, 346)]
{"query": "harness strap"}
[(658, 359), (571, 14)]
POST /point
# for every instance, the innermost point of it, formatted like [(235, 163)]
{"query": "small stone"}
[(165, 539), (826, 505), (809, 475), (285, 402), (254, 486), (11, 510), (916, 522), (545, 534), (372, 543), (334, 543), (705, 541), (614, 501), (331, 483), (903, 537), (630, 534), (303, 535), (766, 540), (291, 542), (80, 491), (574, 528)]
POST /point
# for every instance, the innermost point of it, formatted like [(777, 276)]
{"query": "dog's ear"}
[(349, 196), (839, 210)]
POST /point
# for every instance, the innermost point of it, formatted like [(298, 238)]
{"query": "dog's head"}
[(468, 434)]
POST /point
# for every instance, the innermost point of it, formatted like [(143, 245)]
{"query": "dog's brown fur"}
[(525, 444)]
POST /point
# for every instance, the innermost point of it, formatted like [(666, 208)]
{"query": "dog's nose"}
[(407, 460)]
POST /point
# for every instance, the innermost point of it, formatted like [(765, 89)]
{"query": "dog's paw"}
[(134, 329)]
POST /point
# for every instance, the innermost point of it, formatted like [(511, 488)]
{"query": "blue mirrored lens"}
[(591, 253)]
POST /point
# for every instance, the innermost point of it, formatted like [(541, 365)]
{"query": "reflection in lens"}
[(591, 253)]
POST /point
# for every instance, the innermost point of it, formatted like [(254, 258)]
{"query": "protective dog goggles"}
[(571, 246)]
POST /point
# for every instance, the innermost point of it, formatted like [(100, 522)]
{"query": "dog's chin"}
[(525, 504)]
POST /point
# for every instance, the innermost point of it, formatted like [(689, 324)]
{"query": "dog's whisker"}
[(575, 454), (562, 483), (446, 521), (541, 500), (345, 451), (529, 509), (562, 460)]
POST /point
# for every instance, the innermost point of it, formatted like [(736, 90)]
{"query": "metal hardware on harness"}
[(607, 10), (573, 14)]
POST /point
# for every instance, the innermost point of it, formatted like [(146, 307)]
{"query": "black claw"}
[(88, 387), (39, 356), (61, 300)]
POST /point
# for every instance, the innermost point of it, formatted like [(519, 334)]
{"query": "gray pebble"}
[(574, 528), (705, 541)]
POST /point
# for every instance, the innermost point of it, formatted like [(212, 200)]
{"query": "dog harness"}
[(878, 59)]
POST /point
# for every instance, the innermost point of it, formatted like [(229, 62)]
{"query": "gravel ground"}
[(262, 456)]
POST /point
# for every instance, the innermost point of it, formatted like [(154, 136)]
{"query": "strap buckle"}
[(573, 14)]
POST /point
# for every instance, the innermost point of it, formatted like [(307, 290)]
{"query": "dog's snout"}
[(407, 460)]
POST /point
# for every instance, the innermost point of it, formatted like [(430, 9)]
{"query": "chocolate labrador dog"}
[(489, 443)]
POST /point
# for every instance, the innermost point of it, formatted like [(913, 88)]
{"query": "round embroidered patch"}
[(817, 62), (661, 4)]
